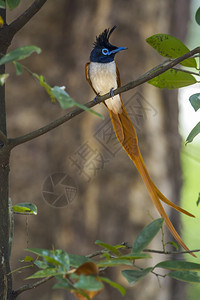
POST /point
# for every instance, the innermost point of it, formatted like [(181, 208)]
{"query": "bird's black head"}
[(103, 51)]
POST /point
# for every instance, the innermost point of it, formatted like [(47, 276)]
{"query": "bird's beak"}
[(118, 49)]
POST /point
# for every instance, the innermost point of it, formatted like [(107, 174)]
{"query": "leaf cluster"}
[(81, 275), (171, 47), (11, 4), (55, 93)]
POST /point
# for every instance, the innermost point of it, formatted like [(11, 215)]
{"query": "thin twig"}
[(169, 252), (186, 71), (96, 253), (99, 252), (144, 78), (27, 287), (20, 268), (25, 17)]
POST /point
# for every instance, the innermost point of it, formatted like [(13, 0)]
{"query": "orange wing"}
[(88, 76)]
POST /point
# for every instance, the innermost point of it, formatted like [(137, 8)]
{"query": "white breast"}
[(104, 78)]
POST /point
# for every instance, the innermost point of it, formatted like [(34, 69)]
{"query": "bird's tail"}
[(127, 136)]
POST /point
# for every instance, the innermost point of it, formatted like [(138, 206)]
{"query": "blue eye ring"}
[(105, 51)]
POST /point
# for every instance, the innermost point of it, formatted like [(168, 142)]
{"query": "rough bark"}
[(5, 280)]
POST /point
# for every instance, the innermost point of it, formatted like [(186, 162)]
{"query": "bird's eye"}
[(105, 51)]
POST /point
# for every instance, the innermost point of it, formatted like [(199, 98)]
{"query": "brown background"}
[(112, 204)]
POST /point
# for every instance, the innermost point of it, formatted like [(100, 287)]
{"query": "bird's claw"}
[(95, 100), (111, 93)]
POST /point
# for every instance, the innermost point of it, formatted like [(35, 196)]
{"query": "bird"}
[(103, 75)]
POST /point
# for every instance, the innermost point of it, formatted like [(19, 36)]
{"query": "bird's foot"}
[(95, 100), (111, 93)]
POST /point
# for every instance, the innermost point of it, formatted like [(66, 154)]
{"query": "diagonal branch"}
[(25, 17), (27, 287), (149, 75), (144, 78), (34, 134), (170, 252)]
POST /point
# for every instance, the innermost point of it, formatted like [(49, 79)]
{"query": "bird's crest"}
[(103, 39)]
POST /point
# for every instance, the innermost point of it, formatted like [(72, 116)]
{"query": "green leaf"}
[(41, 264), (62, 257), (174, 244), (134, 276), (12, 3), (18, 68), (56, 257), (44, 84), (2, 4), (122, 260), (114, 262), (46, 273), (146, 235), (19, 53), (172, 79), (178, 265), (133, 256), (197, 16), (78, 260), (25, 208), (186, 276), (89, 283), (193, 133), (27, 259), (117, 286), (66, 101), (3, 78), (195, 101), (63, 97), (108, 247), (169, 46), (62, 284)]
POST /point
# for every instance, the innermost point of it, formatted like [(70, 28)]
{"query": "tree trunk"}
[(178, 28), (5, 279)]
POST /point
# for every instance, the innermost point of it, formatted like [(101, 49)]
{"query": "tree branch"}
[(161, 68), (25, 17), (170, 252), (27, 287), (99, 252), (150, 75), (96, 253)]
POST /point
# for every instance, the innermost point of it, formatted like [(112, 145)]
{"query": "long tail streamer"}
[(127, 136)]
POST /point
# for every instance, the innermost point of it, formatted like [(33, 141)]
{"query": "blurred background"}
[(107, 198)]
